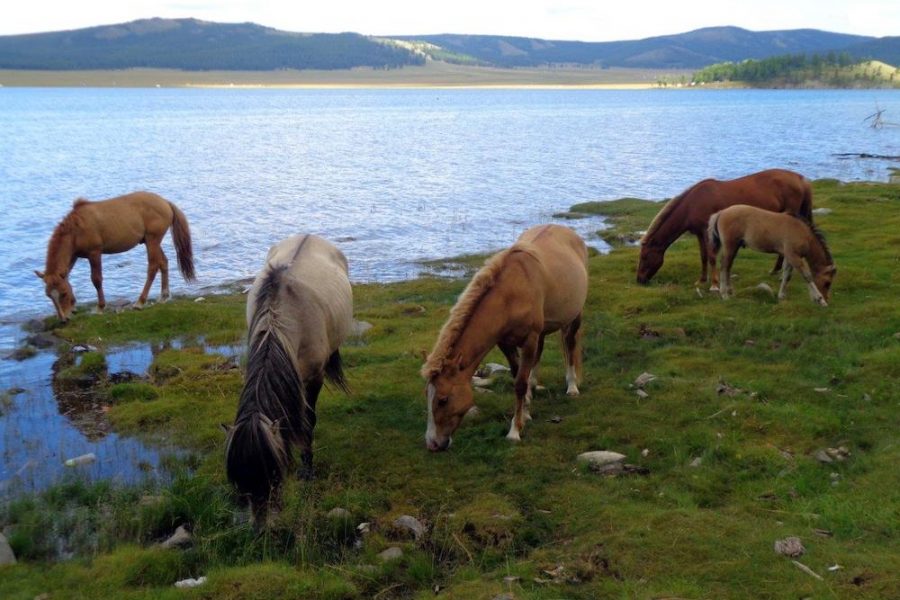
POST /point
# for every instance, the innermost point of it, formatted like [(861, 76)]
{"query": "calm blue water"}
[(393, 176)]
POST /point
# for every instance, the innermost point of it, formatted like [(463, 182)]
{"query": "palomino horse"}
[(789, 236), (92, 229), (776, 190), (535, 287), (299, 310)]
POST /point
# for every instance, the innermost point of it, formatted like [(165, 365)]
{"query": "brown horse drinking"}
[(775, 190), (793, 238), (92, 229), (535, 287)]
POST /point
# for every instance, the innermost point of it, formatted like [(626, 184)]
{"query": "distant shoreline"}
[(432, 75)]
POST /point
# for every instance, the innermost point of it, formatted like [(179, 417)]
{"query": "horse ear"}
[(226, 429), (39, 274)]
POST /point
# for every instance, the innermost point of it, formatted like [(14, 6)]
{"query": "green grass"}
[(494, 509)]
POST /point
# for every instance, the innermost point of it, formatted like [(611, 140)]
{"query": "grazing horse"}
[(776, 190), (92, 229), (535, 287), (299, 310), (789, 236)]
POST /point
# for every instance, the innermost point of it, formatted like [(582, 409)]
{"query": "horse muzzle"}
[(435, 446)]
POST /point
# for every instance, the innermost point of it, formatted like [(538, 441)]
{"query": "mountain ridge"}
[(196, 45)]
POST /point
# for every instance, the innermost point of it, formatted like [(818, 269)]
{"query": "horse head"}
[(449, 396), (823, 280), (59, 290), (256, 458), (651, 260)]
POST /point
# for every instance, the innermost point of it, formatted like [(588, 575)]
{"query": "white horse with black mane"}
[(299, 311)]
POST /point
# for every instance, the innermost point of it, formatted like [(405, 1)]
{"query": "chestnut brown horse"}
[(92, 229), (535, 287), (775, 190), (791, 237), (299, 311)]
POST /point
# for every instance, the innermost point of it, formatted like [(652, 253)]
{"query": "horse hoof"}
[(526, 415), (714, 288), (572, 391), (514, 436), (98, 310)]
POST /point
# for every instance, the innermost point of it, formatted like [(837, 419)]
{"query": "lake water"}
[(392, 176)]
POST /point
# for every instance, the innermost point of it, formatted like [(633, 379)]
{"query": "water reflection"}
[(59, 412)]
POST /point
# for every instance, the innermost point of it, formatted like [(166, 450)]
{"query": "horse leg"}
[(153, 252), (786, 273), (512, 357), (533, 377), (814, 294), (728, 256), (311, 391), (571, 337), (528, 356), (779, 265), (164, 275), (97, 278), (701, 238)]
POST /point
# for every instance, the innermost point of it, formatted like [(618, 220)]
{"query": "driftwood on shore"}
[(847, 155)]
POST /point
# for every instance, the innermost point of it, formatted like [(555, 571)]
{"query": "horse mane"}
[(272, 399), (69, 224), (481, 284), (663, 214), (819, 235)]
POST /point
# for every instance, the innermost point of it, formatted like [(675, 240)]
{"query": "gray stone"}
[(179, 539), (696, 462), (7, 556), (790, 546), (765, 287), (359, 328), (392, 553), (603, 461), (643, 379), (338, 513), (411, 524), (821, 211), (42, 340), (642, 394)]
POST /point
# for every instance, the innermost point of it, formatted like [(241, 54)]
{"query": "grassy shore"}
[(434, 74), (747, 393)]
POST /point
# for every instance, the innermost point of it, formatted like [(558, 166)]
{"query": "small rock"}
[(482, 382), (510, 579), (200, 299), (696, 462), (15, 391), (33, 325), (492, 368), (42, 340), (603, 461), (7, 556), (790, 546), (823, 532), (79, 348), (179, 539), (363, 528), (410, 524), (724, 389), (555, 419), (821, 211), (190, 582), (645, 452), (822, 456), (338, 513), (643, 379), (749, 343), (359, 328), (642, 394), (23, 353), (765, 287), (822, 390), (84, 459), (392, 553)]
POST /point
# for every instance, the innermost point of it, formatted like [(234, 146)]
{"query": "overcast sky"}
[(588, 20)]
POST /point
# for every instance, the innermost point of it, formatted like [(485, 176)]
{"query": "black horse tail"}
[(334, 371), (272, 411), (715, 240), (181, 237)]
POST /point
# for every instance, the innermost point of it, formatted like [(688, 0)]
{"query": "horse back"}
[(557, 271), (762, 230), (775, 190), (121, 223), (314, 300)]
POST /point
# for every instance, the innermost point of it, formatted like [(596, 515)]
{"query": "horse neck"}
[(817, 257), (60, 253), (480, 335), (671, 228)]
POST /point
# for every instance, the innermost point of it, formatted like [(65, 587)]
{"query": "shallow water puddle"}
[(47, 418)]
